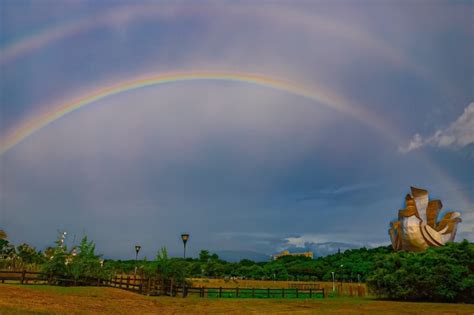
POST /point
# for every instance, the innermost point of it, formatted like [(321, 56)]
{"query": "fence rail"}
[(155, 286), (254, 292)]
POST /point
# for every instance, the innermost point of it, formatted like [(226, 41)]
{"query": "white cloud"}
[(307, 239), (348, 188), (415, 143), (459, 134)]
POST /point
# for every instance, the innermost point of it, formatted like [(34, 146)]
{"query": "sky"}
[(372, 97)]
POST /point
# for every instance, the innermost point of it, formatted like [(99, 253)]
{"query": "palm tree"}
[(3, 235)]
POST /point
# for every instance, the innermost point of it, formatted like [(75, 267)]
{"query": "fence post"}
[(201, 292), (310, 292), (324, 293), (128, 282), (268, 292), (282, 292), (23, 274), (253, 292), (237, 292), (220, 291)]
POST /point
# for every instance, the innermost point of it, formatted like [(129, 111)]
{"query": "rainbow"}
[(317, 94), (29, 44)]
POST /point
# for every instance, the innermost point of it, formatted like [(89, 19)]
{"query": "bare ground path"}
[(16, 299)]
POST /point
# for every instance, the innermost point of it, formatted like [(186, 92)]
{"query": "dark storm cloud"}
[(237, 166)]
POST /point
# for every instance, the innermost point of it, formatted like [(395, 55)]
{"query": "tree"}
[(444, 274), (82, 262), (214, 269), (28, 254), (6, 249), (56, 264), (170, 270), (8, 256), (204, 256)]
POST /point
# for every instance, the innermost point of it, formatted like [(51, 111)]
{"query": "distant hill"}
[(318, 249), (238, 255), (329, 248)]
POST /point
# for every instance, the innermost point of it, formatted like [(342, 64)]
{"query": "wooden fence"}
[(155, 286), (133, 283), (253, 292)]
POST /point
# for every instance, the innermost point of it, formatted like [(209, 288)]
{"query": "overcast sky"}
[(237, 165)]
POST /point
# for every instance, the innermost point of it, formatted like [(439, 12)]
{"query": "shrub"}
[(444, 274), (78, 264), (84, 263)]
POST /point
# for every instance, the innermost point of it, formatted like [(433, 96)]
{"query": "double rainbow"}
[(317, 94)]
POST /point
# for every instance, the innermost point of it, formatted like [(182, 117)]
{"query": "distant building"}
[(287, 253)]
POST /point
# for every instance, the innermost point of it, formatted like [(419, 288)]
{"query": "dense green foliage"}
[(438, 274), (23, 256), (351, 265), (79, 263)]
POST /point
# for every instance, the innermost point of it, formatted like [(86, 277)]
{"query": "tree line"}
[(438, 274)]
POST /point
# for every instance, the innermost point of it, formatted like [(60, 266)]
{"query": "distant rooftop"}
[(287, 253)]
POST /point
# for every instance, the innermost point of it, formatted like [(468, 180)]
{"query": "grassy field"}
[(249, 293), (215, 283), (41, 299), (348, 289)]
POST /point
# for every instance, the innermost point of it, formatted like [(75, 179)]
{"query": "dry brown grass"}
[(16, 299)]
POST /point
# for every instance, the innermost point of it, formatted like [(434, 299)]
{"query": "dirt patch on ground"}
[(15, 299)]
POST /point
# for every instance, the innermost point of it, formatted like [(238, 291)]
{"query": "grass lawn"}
[(262, 293), (41, 299)]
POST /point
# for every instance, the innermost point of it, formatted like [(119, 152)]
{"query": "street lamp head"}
[(137, 248), (185, 238)]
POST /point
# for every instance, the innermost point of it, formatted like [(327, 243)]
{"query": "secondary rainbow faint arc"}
[(318, 94)]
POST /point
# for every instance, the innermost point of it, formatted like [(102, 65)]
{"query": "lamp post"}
[(185, 238), (333, 282), (137, 250), (342, 266)]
